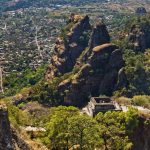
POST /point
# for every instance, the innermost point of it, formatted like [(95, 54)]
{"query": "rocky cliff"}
[(139, 35), (141, 136), (93, 62), (10, 139), (98, 76), (69, 46), (5, 132)]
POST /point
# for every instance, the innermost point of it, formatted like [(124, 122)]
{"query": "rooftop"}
[(101, 100)]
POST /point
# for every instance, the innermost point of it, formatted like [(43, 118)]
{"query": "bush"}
[(141, 100), (124, 101), (18, 117)]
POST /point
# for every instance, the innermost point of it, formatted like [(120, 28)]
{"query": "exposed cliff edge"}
[(10, 139), (141, 136), (6, 142)]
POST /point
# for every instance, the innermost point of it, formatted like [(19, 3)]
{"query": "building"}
[(101, 104)]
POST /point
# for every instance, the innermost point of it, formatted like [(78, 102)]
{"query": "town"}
[(27, 36)]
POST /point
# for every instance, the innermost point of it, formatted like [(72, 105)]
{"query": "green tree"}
[(67, 128), (57, 127), (84, 132), (18, 117), (112, 131), (131, 119)]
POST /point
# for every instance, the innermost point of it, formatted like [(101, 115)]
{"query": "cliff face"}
[(139, 37), (98, 76), (99, 36), (69, 47), (141, 136), (5, 132), (9, 137), (95, 66)]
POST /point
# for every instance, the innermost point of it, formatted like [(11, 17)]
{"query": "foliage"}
[(141, 100), (137, 73), (131, 119), (141, 21), (124, 101), (136, 63), (113, 133), (18, 117), (21, 105), (83, 131), (16, 81), (67, 128), (57, 127), (47, 93)]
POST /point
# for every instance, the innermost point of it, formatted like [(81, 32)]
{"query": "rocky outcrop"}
[(5, 132), (99, 35), (141, 136), (9, 137), (97, 77), (19, 142), (69, 47), (139, 37), (95, 67)]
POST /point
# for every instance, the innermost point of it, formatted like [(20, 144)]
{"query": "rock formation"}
[(5, 132), (139, 37), (10, 139), (98, 76), (142, 141), (69, 47), (94, 67), (99, 35)]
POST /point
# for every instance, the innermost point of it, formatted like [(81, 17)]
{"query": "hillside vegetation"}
[(52, 63)]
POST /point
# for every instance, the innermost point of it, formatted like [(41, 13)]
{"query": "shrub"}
[(141, 100)]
